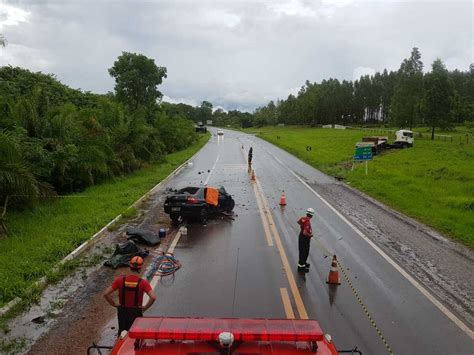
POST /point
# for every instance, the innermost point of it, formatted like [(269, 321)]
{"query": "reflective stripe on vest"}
[(128, 286)]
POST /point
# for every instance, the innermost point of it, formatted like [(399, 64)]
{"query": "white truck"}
[(403, 139)]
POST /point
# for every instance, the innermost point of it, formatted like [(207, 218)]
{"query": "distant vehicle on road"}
[(220, 132), (198, 203), (200, 128)]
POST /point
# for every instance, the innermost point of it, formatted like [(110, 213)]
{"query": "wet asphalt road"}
[(229, 269)]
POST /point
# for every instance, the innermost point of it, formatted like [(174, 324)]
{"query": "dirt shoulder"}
[(73, 314), (441, 265), (82, 319)]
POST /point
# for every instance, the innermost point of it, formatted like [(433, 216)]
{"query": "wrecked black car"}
[(198, 203)]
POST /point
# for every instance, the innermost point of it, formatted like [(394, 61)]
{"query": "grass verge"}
[(432, 182), (41, 237)]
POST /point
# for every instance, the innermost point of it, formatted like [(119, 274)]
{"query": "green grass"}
[(433, 182), (12, 346), (41, 237)]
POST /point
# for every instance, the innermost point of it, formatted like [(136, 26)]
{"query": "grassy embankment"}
[(41, 237), (433, 182)]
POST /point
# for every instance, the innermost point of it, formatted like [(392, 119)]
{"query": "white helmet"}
[(310, 211)]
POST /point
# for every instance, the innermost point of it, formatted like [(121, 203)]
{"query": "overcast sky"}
[(235, 54)]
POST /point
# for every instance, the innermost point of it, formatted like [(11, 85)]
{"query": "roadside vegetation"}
[(405, 98), (56, 140), (40, 237), (433, 182), (70, 161)]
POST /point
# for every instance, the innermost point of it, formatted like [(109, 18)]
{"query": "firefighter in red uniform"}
[(131, 288), (304, 239)]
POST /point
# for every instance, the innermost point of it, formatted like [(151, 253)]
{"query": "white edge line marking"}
[(155, 279), (415, 283), (95, 238), (175, 241), (212, 170)]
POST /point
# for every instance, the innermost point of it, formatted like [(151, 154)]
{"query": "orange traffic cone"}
[(253, 178), (333, 277), (283, 199)]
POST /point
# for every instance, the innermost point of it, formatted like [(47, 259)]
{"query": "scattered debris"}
[(39, 320)]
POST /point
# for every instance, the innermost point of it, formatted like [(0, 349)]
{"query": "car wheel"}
[(230, 205)]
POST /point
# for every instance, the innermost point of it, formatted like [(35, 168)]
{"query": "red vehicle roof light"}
[(242, 329)]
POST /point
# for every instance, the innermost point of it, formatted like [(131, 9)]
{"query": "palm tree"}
[(16, 180)]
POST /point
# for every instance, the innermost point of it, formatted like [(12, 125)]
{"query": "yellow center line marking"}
[(265, 213), (286, 303), (262, 212), (262, 216), (286, 265)]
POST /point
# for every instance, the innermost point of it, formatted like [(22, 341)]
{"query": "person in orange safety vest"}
[(131, 289), (304, 239)]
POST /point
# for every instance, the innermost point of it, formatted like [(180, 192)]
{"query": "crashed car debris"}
[(198, 203)]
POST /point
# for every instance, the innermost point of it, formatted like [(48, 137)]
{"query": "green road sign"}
[(363, 153)]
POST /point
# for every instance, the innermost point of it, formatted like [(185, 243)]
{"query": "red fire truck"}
[(199, 336)]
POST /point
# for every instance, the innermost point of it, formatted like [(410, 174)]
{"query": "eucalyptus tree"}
[(438, 101), (408, 91)]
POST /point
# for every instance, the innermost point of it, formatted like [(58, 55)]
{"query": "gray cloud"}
[(236, 54)]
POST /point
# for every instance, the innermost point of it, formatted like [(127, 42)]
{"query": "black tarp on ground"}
[(123, 253), (143, 236)]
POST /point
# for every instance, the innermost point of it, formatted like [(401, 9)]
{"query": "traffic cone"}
[(333, 277), (283, 199), (253, 178)]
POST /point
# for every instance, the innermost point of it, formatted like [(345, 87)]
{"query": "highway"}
[(246, 266)]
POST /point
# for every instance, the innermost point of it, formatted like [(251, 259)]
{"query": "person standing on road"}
[(131, 288), (250, 156), (304, 239)]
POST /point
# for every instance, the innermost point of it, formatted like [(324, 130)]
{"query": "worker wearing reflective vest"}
[(131, 289), (304, 239)]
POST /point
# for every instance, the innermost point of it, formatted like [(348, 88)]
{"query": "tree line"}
[(404, 98), (58, 140)]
